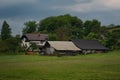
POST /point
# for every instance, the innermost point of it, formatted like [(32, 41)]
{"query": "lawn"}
[(82, 67)]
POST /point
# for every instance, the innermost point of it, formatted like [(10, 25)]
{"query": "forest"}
[(62, 28)]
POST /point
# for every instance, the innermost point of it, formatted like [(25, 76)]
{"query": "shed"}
[(89, 46), (62, 47)]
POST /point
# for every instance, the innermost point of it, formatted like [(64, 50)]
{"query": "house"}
[(38, 39), (89, 46), (61, 47)]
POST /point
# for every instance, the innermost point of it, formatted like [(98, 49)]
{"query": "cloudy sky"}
[(16, 12)]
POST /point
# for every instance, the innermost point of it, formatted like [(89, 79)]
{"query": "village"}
[(63, 34), (71, 47), (59, 39)]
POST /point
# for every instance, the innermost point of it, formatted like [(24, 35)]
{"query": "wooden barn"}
[(61, 47), (89, 46)]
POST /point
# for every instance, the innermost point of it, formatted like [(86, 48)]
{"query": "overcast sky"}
[(16, 12)]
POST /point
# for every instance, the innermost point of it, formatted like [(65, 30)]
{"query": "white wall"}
[(24, 43), (27, 44), (39, 43), (50, 50)]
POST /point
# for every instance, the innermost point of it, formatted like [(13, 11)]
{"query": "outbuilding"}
[(89, 46), (61, 47)]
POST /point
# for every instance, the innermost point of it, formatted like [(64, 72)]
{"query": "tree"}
[(92, 26), (112, 36), (64, 35), (33, 46), (10, 45), (54, 23), (87, 27), (5, 31), (95, 26), (3, 46), (52, 37), (76, 28), (92, 36), (30, 27)]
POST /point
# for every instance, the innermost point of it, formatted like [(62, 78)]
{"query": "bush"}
[(11, 45)]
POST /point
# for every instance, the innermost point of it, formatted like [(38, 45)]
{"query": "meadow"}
[(105, 66)]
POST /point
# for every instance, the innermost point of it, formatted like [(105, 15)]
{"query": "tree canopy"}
[(53, 24), (30, 27), (63, 27), (5, 31), (92, 26)]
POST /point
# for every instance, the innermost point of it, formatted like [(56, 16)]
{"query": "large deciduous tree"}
[(30, 27), (64, 35), (5, 31), (92, 26), (54, 24)]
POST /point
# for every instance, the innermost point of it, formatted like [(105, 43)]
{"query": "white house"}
[(38, 39)]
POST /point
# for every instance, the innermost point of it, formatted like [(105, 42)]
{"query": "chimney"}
[(38, 34)]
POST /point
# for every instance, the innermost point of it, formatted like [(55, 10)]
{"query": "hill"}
[(111, 29)]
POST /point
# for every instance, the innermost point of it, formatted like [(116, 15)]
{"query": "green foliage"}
[(52, 37), (103, 31), (113, 37), (30, 27), (95, 26), (10, 45), (3, 46), (5, 31), (64, 35), (92, 36), (33, 46), (89, 67), (56, 23), (63, 27), (87, 27), (92, 26), (110, 29), (108, 36)]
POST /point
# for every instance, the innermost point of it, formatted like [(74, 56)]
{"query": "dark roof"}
[(88, 44), (36, 37)]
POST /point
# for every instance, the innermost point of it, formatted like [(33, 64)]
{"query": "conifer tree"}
[(5, 31)]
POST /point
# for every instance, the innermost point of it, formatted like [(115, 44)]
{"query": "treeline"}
[(65, 27), (8, 43)]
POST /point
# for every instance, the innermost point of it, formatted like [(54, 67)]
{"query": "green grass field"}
[(82, 67)]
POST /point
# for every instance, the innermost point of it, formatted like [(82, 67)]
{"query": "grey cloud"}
[(83, 1), (16, 13)]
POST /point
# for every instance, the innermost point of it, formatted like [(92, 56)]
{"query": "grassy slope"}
[(82, 67), (112, 29)]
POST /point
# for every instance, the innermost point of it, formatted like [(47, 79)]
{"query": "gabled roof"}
[(88, 44), (36, 37), (63, 45)]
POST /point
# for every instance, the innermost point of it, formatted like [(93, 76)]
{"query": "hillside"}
[(114, 29)]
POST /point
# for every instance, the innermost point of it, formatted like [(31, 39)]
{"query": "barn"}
[(61, 47), (89, 46)]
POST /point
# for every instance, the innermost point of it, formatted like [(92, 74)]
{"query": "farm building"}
[(89, 46), (61, 47), (38, 39), (71, 47)]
